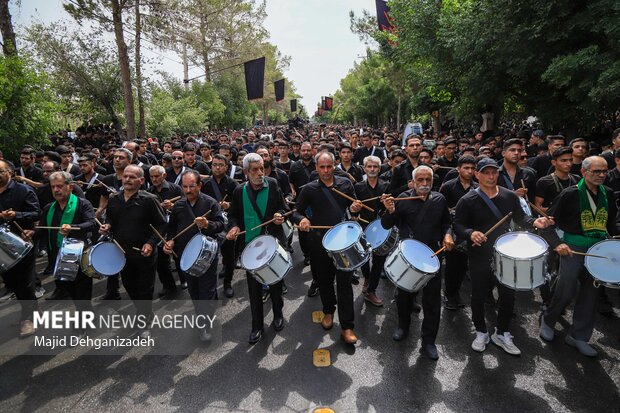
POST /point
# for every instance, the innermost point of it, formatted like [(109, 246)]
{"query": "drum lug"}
[(596, 283)]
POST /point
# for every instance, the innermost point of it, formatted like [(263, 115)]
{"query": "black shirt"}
[(401, 177), (363, 190), (84, 219), (92, 191), (183, 214), (218, 190), (541, 164), (45, 196), (168, 191), (130, 220), (283, 182), (473, 214), (565, 211), (286, 166), (613, 181), (525, 174), (549, 187), (300, 173), (326, 206), (429, 228), (32, 172), (362, 152), (453, 190), (111, 181), (21, 199), (354, 170), (200, 167)]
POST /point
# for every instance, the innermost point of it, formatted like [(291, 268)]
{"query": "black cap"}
[(486, 162)]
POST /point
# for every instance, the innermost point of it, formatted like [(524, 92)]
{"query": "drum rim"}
[(546, 252), (336, 226), (389, 232), (587, 259), (90, 260), (413, 265), (28, 247), (267, 263)]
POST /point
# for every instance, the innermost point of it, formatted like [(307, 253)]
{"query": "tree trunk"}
[(9, 46), (142, 124), (185, 67), (400, 98), (123, 62), (205, 48)]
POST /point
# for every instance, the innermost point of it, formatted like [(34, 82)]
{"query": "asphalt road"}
[(378, 374)]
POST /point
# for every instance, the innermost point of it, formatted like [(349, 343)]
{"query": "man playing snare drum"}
[(587, 213), (428, 221), (258, 200)]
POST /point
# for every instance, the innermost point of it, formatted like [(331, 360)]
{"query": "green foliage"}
[(27, 106)]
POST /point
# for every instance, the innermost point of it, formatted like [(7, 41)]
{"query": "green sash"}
[(250, 217), (67, 217), (593, 224)]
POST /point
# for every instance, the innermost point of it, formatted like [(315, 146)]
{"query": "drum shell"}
[(88, 257), (403, 273), (208, 251), (275, 269), (352, 256), (520, 274), (387, 243), (68, 259), (288, 231), (12, 249)]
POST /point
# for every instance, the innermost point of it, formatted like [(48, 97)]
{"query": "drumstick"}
[(408, 198), (351, 199), (540, 211), (444, 167), (500, 222), (19, 227), (589, 255), (372, 199), (189, 226), (362, 219), (438, 251), (224, 199), (58, 228), (107, 187), (136, 249), (271, 220), (175, 199), (523, 184), (161, 238), (318, 226), (616, 236), (113, 240), (352, 177)]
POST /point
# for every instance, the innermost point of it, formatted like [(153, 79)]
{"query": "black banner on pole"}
[(383, 15), (255, 78), (278, 85), (329, 103), (293, 105)]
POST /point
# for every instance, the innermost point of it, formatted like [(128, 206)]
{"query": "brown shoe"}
[(26, 329), (348, 336), (328, 321), (365, 286), (373, 299)]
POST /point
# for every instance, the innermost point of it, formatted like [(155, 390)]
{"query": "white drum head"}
[(375, 234), (258, 252), (521, 245), (605, 270), (191, 252), (420, 256), (342, 236), (107, 259)]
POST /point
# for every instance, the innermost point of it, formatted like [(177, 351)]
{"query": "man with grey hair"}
[(427, 220), (587, 213), (258, 200), (165, 192)]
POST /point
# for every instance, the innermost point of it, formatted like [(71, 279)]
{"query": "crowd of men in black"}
[(135, 186)]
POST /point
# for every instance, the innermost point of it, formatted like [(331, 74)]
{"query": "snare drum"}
[(520, 260), (411, 265), (381, 240), (103, 259), (68, 259), (12, 249), (198, 255), (605, 271), (266, 260), (346, 244), (288, 230)]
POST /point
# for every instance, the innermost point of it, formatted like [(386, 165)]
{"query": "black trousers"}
[(373, 272), (255, 291), (163, 270), (138, 277), (230, 252), (431, 305), (456, 266), (482, 281), (80, 290), (205, 286), (326, 272), (21, 280)]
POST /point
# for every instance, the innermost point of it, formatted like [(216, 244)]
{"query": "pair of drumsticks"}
[(342, 194)]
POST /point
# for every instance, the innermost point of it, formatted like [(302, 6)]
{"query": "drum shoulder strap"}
[(489, 203)]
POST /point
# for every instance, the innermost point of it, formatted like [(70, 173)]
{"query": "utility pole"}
[(185, 66)]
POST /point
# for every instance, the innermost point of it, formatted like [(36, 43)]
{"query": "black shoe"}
[(278, 323), (266, 295), (399, 334), (314, 289), (222, 274), (228, 291), (255, 335), (58, 294), (430, 351), (306, 261), (284, 288), (110, 296), (355, 280), (452, 303), (184, 285), (167, 292)]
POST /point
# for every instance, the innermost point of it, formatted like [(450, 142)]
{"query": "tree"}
[(9, 44)]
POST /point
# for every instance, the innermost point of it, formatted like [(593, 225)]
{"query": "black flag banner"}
[(255, 78), (329, 103), (383, 15), (293, 105), (279, 89)]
